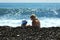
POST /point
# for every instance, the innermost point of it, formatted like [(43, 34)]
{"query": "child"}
[(24, 23)]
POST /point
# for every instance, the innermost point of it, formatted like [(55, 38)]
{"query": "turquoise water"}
[(29, 5)]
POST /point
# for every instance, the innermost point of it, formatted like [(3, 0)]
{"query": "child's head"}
[(24, 22)]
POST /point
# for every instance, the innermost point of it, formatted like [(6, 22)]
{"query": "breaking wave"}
[(14, 16)]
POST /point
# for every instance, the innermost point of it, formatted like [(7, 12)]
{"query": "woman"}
[(35, 21)]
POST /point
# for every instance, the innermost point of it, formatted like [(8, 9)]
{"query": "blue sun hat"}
[(24, 22)]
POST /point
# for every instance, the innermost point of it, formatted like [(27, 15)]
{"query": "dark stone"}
[(29, 33)]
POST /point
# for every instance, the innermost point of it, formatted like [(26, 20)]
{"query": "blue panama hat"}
[(24, 22)]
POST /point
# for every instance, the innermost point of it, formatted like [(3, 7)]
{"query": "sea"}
[(12, 14)]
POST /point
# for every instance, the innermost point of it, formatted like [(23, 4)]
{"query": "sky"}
[(29, 1)]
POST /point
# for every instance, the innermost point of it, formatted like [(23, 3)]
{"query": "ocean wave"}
[(22, 13), (14, 16)]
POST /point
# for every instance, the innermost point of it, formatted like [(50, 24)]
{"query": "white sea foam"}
[(45, 22), (49, 22)]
